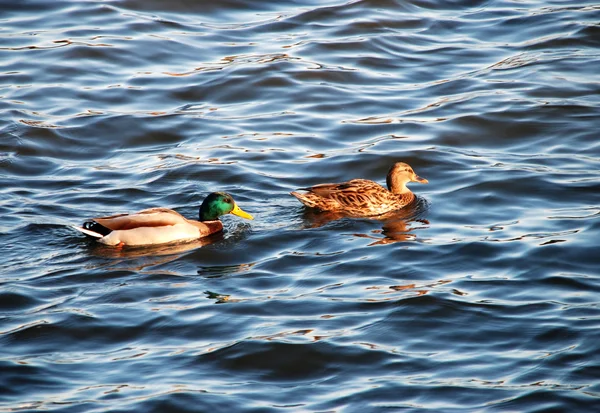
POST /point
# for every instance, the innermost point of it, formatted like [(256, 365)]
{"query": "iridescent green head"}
[(220, 203)]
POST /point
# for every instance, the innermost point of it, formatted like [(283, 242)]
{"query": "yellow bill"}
[(240, 213)]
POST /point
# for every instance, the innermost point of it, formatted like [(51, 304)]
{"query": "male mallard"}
[(361, 197), (162, 225)]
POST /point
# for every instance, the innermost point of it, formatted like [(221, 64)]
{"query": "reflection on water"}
[(412, 289), (396, 230), (142, 259), (224, 270), (177, 249), (221, 298), (396, 226)]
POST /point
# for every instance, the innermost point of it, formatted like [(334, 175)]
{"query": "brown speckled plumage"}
[(362, 197)]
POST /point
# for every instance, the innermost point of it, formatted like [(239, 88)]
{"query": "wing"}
[(154, 217), (357, 193)]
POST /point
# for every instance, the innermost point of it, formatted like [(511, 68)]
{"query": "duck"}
[(162, 225), (363, 197)]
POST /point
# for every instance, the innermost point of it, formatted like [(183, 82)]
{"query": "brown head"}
[(399, 175)]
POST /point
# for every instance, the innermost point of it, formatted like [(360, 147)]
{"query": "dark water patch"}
[(296, 363), (15, 301)]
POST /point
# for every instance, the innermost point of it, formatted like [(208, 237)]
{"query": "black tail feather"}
[(94, 226)]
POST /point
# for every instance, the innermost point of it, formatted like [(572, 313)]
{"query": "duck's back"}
[(153, 217)]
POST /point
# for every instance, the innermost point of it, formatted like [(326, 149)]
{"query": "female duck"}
[(162, 225), (362, 197)]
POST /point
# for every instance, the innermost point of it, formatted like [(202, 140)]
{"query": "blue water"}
[(483, 296)]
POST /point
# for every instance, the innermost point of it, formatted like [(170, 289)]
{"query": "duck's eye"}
[(228, 200)]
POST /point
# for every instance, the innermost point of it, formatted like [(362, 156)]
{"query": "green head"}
[(220, 203)]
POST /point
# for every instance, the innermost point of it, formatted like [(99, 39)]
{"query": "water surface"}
[(483, 296)]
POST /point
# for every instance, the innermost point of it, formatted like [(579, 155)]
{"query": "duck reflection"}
[(396, 226), (390, 292), (221, 271), (395, 230), (222, 298), (143, 259)]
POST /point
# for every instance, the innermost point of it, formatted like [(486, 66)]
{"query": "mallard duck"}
[(361, 197), (162, 225)]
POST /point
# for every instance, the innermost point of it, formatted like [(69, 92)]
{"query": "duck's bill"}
[(241, 213), (421, 180)]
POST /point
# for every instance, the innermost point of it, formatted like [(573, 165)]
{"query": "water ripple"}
[(481, 296)]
